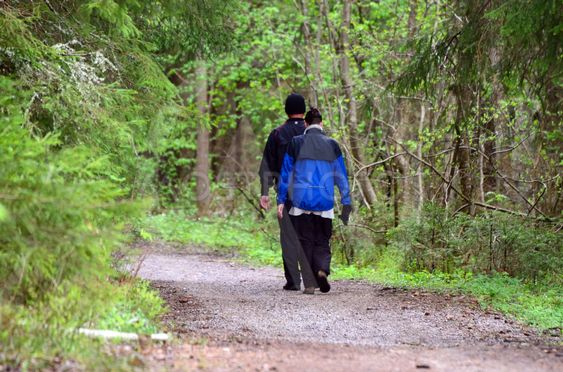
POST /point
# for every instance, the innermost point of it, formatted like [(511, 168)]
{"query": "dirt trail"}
[(249, 323)]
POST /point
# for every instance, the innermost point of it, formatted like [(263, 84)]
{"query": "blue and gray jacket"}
[(311, 168)]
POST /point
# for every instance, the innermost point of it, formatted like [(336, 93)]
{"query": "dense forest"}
[(448, 113)]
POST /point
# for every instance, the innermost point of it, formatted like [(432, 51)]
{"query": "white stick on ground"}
[(122, 335)]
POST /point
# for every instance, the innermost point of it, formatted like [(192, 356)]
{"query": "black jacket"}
[(274, 151)]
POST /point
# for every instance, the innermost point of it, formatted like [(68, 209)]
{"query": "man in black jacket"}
[(269, 172)]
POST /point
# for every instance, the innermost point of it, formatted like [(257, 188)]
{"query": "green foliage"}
[(180, 30), (538, 305), (76, 111), (226, 235), (3, 213), (62, 216), (532, 37), (60, 204), (490, 242), (26, 342), (362, 242), (134, 309), (111, 98), (114, 13), (90, 125)]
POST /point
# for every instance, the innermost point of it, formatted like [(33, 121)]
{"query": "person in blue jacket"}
[(312, 166)]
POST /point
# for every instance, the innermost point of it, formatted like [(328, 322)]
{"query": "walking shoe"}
[(323, 282), (291, 287), (309, 290)]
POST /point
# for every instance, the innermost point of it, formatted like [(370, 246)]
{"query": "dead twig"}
[(251, 202), (452, 187), (368, 228), (538, 198), (140, 261), (512, 147)]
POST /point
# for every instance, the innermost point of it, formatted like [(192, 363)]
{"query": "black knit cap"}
[(313, 116), (295, 104)]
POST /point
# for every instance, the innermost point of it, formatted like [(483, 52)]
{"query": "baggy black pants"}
[(314, 235), (293, 254)]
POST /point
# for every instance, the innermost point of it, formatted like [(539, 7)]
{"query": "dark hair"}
[(313, 116)]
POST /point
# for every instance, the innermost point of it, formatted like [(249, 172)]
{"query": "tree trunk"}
[(312, 94), (419, 154), (463, 152), (348, 85), (411, 23), (202, 157), (489, 144)]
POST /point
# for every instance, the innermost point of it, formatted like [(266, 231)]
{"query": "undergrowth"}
[(42, 335)]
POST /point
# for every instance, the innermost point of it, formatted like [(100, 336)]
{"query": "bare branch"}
[(512, 147), (479, 204), (538, 198), (251, 202), (533, 206), (378, 163), (433, 169)]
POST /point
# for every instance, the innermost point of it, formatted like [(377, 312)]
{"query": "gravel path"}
[(244, 307)]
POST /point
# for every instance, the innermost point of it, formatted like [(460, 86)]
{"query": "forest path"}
[(250, 323)]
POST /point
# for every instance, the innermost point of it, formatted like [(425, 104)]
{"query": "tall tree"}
[(203, 191), (346, 76)]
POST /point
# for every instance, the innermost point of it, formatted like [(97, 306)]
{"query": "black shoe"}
[(291, 287), (323, 282)]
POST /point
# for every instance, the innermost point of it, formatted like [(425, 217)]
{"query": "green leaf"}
[(4, 215)]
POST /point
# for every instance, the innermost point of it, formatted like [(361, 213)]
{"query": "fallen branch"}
[(500, 209), (106, 334), (368, 228)]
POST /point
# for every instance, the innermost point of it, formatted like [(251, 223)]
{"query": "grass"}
[(37, 336), (254, 242), (538, 305), (136, 308)]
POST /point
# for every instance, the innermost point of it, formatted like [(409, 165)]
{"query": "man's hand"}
[(265, 202), (345, 216), (280, 211)]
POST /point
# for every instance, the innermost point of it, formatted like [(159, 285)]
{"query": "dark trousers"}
[(293, 254), (314, 235)]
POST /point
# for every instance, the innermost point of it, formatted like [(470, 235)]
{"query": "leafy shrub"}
[(363, 241), (62, 208), (489, 242), (61, 215)]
